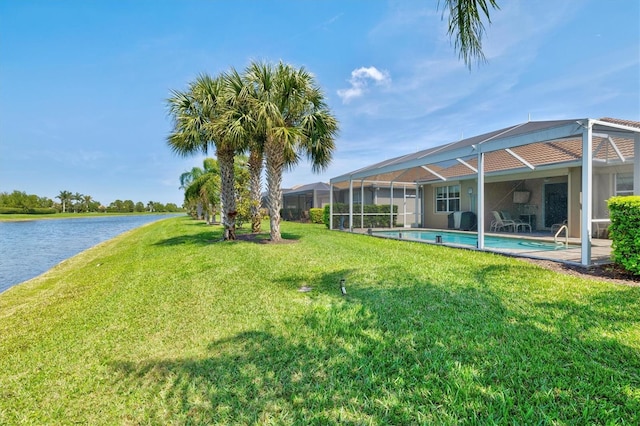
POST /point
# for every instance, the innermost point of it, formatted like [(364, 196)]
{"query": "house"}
[(543, 172), (297, 201)]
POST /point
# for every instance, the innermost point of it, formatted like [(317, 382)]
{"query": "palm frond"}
[(467, 28)]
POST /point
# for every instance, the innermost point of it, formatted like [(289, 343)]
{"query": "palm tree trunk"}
[(227, 193), (275, 164), (255, 183)]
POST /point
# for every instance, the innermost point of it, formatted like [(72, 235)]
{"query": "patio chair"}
[(556, 226), (499, 223), (517, 222)]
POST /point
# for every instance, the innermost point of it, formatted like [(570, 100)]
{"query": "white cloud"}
[(360, 82)]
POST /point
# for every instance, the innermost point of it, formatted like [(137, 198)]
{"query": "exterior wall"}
[(322, 200), (604, 187), (499, 197), (439, 220)]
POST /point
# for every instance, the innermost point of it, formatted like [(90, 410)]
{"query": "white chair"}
[(500, 224), (517, 222)]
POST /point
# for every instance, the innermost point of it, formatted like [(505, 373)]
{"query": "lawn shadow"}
[(206, 234), (412, 353), (265, 237), (209, 234)]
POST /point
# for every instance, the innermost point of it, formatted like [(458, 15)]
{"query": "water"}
[(29, 248), (490, 241)]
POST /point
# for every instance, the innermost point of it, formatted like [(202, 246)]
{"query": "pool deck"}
[(600, 248)]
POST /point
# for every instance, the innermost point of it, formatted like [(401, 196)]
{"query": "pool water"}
[(471, 239)]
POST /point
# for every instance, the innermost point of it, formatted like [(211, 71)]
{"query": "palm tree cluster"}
[(274, 112), (77, 202)]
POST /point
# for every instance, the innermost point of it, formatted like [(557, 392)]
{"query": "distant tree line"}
[(69, 202)]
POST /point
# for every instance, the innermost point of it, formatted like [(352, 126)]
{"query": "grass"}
[(167, 325)]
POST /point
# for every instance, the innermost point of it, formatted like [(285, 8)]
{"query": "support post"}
[(417, 207), (586, 198), (391, 205), (330, 206), (362, 204), (350, 204), (480, 213)]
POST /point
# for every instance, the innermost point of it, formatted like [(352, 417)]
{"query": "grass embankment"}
[(166, 325)]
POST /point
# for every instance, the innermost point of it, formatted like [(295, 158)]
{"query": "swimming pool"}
[(471, 240)]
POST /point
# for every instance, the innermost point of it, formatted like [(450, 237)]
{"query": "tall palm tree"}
[(87, 200), (64, 197), (199, 124), (255, 165), (466, 26), (290, 111), (243, 130), (77, 197)]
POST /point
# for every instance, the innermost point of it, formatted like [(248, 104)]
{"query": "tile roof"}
[(544, 153)]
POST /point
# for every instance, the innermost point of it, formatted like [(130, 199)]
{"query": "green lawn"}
[(167, 325)]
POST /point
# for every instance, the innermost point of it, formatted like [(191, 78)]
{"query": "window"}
[(448, 198), (624, 184)]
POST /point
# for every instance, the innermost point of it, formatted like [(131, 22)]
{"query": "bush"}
[(19, 210), (379, 220), (316, 215), (624, 232)]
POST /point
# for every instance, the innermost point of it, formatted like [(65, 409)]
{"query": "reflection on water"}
[(29, 248)]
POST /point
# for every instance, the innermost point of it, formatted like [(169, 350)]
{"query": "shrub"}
[(624, 232), (379, 219), (316, 215)]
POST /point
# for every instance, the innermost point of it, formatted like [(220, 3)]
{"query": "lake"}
[(29, 248)]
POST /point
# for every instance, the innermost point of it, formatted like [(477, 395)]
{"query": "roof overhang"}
[(506, 139)]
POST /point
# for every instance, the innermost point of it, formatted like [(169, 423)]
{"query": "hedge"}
[(624, 232), (20, 210), (379, 220)]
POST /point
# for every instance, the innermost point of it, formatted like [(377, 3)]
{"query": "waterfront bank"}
[(29, 247)]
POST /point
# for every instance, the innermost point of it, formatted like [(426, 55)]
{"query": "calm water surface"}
[(29, 248)]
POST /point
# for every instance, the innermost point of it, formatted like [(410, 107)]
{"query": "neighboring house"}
[(541, 172), (297, 201), (381, 192)]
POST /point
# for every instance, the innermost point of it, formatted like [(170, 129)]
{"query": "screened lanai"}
[(549, 174)]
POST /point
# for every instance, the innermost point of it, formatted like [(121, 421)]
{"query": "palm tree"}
[(202, 187), (199, 123), (466, 27), (77, 197), (290, 111), (194, 203), (87, 200), (64, 197), (243, 130)]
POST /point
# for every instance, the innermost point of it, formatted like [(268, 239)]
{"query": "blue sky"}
[(83, 84)]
